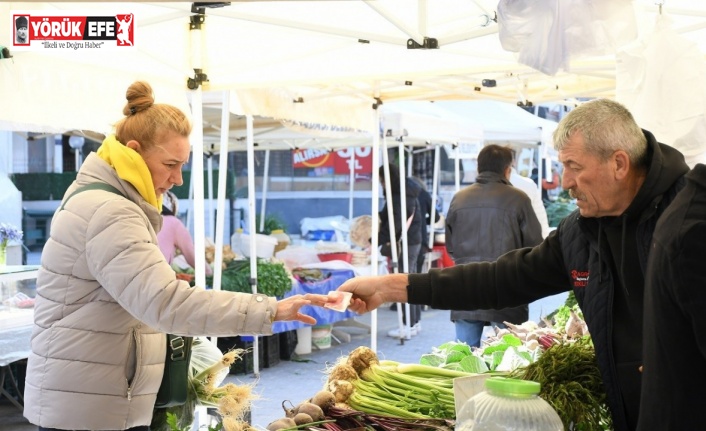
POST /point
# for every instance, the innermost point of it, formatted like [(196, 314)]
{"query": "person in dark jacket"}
[(485, 220), (411, 220), (622, 180), (425, 206), (674, 352)]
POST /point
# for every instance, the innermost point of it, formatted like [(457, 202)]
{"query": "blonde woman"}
[(106, 296)]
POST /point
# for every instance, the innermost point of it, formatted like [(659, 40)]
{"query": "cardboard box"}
[(466, 388)]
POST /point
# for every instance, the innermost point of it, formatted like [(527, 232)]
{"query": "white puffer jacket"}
[(105, 299)]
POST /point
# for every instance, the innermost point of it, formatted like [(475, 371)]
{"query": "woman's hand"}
[(289, 308)]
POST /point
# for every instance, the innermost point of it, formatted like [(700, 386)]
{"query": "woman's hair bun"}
[(139, 97)]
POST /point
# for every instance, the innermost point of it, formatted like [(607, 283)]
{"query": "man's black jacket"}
[(577, 256)]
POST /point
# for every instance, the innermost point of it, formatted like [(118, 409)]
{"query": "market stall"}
[(16, 320)]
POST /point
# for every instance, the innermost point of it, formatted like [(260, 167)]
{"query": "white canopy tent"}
[(323, 62), (311, 61), (504, 123)]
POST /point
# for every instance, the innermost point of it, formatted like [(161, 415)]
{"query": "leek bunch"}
[(388, 388), (208, 368)]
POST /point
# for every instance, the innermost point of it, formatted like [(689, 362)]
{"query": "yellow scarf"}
[(130, 167)]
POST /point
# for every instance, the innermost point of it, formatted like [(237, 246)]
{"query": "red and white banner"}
[(362, 164), (71, 31), (341, 160)]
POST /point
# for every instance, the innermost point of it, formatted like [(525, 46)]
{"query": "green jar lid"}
[(512, 386)]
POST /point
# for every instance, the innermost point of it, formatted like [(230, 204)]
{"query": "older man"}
[(622, 180)]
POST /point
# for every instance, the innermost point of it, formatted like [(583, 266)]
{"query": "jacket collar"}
[(491, 177), (94, 169), (666, 165)]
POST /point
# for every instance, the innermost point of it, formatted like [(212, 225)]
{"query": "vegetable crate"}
[(287, 344), (270, 344), (268, 353)]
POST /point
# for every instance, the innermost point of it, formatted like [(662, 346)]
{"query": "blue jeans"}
[(471, 331)]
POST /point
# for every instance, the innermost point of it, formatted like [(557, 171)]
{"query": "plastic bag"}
[(548, 34)]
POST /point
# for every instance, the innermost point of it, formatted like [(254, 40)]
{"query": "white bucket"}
[(264, 245), (303, 341), (321, 336)]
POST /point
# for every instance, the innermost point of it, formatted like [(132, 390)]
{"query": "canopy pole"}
[(388, 202), (190, 211), (211, 214), (375, 209), (251, 226), (404, 229), (221, 202), (410, 163), (457, 170), (221, 195), (434, 194), (197, 180), (196, 48), (391, 223), (265, 178), (351, 179)]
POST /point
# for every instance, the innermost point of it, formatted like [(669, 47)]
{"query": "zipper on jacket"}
[(133, 350)]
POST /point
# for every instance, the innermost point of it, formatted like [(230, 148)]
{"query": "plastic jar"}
[(508, 405)]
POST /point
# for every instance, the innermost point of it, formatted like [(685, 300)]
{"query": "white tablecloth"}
[(14, 344)]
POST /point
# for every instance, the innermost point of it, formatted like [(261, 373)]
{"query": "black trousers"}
[(142, 428)]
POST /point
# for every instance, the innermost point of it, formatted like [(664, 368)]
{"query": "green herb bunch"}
[(272, 223), (561, 315), (571, 382), (272, 278), (560, 208)]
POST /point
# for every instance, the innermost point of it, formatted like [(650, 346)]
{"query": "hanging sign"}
[(311, 158), (361, 164)]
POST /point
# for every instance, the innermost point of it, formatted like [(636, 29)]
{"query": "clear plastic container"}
[(508, 405)]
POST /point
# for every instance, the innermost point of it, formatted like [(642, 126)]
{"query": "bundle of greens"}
[(272, 278), (560, 208), (272, 222), (507, 350), (572, 384)]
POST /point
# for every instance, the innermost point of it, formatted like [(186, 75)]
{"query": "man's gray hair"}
[(606, 126)]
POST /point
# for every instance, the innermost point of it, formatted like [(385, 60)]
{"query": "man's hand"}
[(371, 292)]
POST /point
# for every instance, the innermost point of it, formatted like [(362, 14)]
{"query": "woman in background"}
[(174, 235)]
